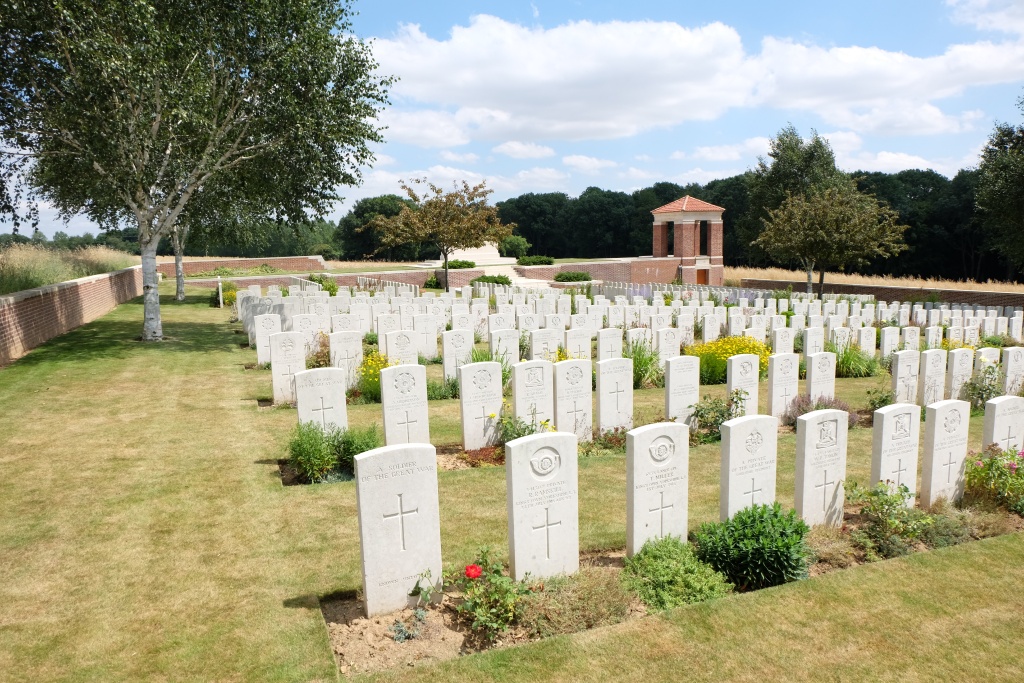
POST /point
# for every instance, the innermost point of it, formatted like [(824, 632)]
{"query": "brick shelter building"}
[(695, 228)]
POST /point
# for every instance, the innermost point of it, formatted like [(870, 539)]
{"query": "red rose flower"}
[(473, 571)]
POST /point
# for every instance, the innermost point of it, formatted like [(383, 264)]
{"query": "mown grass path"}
[(145, 535)]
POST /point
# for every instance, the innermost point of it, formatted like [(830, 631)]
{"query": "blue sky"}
[(558, 96)]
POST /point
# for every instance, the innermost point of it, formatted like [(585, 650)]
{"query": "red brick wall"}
[(642, 271), (293, 263), (660, 239), (31, 317), (885, 293)]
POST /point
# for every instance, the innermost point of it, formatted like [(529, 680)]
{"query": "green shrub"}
[(447, 388), (346, 444), (572, 276), (326, 283), (524, 345), (759, 547), (535, 261), (371, 339), (460, 264), (432, 283), (493, 279), (852, 362), (491, 600), (666, 574), (514, 246), (997, 476), (709, 414), (891, 527), (648, 372), (226, 286), (310, 452), (880, 398), (982, 387)]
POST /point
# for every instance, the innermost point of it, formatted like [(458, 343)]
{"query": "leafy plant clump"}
[(535, 261), (446, 389), (227, 287), (371, 339), (714, 356), (320, 355), (880, 398), (572, 276), (321, 456), (997, 476), (513, 246), (432, 283), (982, 387), (402, 631), (491, 600), (852, 362), (648, 372), (892, 527), (759, 547), (511, 427), (666, 574), (492, 279), (593, 597), (326, 282), (803, 404), (460, 264), (709, 414)]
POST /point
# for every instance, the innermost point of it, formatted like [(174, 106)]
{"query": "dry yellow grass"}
[(733, 276), (26, 266)]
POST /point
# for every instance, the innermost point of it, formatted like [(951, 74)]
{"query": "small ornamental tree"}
[(457, 219)]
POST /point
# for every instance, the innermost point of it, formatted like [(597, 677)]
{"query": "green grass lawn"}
[(145, 535)]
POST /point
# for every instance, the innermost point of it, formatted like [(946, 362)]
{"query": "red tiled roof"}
[(687, 203)]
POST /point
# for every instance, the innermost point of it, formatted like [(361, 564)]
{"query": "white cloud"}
[(536, 11), (678, 154), (545, 178), (643, 157), (523, 150), (497, 80), (699, 175), (851, 156), (750, 148), (633, 173), (383, 159), (990, 15), (585, 164), (455, 157)]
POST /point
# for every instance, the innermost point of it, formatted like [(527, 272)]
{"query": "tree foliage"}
[(454, 219), (354, 242), (833, 228), (1001, 188), (125, 110)]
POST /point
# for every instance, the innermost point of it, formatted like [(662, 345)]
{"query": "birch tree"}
[(124, 110)]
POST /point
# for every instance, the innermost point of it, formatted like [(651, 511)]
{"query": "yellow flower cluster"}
[(373, 363), (723, 347), (948, 345)]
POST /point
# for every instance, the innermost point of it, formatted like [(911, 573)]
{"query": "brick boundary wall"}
[(313, 263), (890, 293), (640, 271), (33, 316), (460, 278)]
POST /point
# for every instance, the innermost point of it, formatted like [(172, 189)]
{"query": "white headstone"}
[(905, 366), (543, 505), (1004, 423), (1013, 370), (821, 375), (574, 398), (287, 356), (533, 392), (742, 373), (614, 394), (682, 387), (783, 382), (782, 340), (480, 403), (896, 433), (749, 455), (264, 326), (504, 345), (401, 346), (320, 397), (577, 344), (609, 343), (821, 466), (667, 343), (932, 387), (657, 482), (456, 350), (889, 340), (946, 429), (960, 367), (399, 523), (403, 390), (814, 340)]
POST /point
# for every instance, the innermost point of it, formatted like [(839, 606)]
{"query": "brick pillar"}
[(715, 239), (660, 240)]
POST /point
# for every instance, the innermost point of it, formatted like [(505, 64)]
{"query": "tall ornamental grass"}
[(27, 266)]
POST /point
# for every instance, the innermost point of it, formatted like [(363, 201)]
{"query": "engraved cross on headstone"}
[(1010, 437), (900, 469), (407, 424), (546, 526), (576, 412), (323, 412), (618, 392), (661, 510), (950, 461), (752, 491), (401, 515), (825, 483)]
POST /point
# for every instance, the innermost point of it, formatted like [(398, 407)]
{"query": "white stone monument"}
[(320, 397), (821, 438), (749, 461), (946, 429), (657, 482), (403, 391), (614, 394)]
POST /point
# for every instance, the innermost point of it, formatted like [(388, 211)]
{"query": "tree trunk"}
[(810, 281), (821, 283), (444, 255), (152, 330), (178, 240)]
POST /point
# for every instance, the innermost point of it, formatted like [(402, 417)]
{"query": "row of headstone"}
[(399, 516)]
